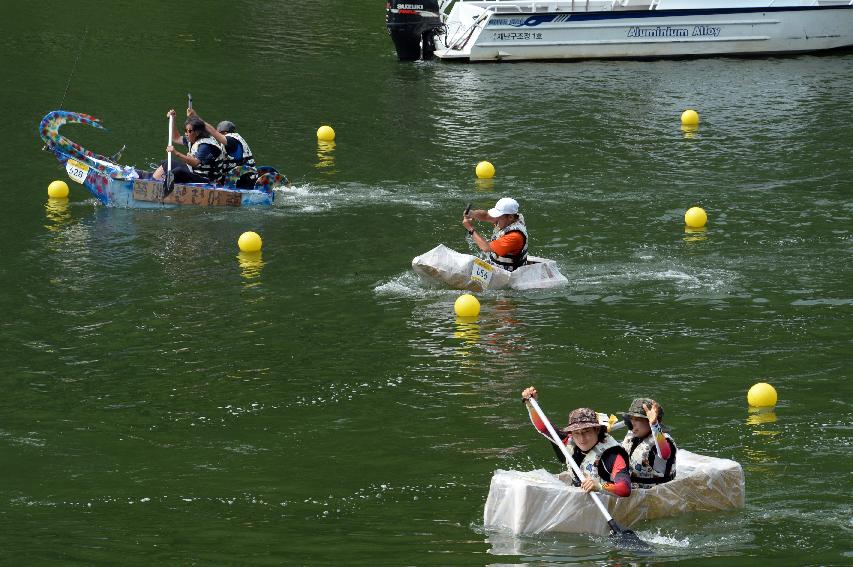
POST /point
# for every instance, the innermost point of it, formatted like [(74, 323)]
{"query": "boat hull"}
[(537, 502), (661, 33), (445, 266), (136, 193), (149, 194)]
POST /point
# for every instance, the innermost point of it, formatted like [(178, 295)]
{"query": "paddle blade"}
[(168, 184), (627, 539)]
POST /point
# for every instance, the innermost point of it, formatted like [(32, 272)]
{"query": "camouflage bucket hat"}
[(636, 409), (582, 418)]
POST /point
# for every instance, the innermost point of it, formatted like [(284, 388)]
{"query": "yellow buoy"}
[(325, 134), (485, 170), (57, 190), (250, 242), (762, 395), (689, 118), (695, 217), (467, 305)]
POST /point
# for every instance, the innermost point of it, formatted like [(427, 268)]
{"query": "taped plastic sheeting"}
[(447, 266), (537, 501)]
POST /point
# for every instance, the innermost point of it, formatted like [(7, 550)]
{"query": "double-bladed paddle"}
[(625, 538)]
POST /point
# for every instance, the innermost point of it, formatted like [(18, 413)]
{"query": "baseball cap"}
[(504, 206)]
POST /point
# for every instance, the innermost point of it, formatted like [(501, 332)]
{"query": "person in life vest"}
[(238, 155), (651, 450), (595, 452), (205, 160), (508, 245)]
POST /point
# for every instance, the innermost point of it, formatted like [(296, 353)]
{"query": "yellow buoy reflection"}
[(695, 234), (325, 156), (485, 184), (250, 264), (57, 213), (690, 131), (468, 331), (760, 416)]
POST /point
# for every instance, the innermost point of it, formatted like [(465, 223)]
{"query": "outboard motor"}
[(413, 25)]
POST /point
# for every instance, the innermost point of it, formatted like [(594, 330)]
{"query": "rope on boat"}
[(74, 67)]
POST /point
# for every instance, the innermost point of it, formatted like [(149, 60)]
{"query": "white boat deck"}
[(583, 29), (553, 6)]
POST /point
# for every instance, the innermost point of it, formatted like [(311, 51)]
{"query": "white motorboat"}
[(534, 502), (513, 30), (463, 271)]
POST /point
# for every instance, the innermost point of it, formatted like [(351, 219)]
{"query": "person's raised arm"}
[(218, 136), (661, 443), (481, 215), (468, 223)]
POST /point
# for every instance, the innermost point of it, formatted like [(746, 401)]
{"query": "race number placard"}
[(76, 170), (482, 273)]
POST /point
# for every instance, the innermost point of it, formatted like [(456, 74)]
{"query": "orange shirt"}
[(508, 244)]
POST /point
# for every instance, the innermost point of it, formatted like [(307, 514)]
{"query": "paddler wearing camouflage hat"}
[(650, 448), (596, 453)]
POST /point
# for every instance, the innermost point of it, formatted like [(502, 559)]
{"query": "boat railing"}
[(533, 6)]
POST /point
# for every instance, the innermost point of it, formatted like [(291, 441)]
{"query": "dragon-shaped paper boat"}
[(119, 185)]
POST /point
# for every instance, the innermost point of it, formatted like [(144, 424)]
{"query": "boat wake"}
[(313, 198)]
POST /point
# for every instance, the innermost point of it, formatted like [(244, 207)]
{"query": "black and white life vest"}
[(215, 169), (512, 262), (643, 473), (248, 158), (591, 463)]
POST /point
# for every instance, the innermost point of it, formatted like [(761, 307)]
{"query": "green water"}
[(166, 402)]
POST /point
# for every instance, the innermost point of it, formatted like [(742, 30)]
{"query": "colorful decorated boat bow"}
[(125, 186)]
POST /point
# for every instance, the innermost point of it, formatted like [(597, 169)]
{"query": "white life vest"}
[(643, 473), (510, 263), (592, 460), (214, 170), (248, 158)]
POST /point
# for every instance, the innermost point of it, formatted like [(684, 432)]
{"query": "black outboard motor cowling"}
[(413, 25)]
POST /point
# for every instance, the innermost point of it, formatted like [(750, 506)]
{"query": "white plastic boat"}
[(483, 30), (537, 501), (463, 271)]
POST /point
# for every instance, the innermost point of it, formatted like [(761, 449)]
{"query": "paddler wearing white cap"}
[(507, 247)]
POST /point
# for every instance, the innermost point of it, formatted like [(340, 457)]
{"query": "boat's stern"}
[(413, 25)]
